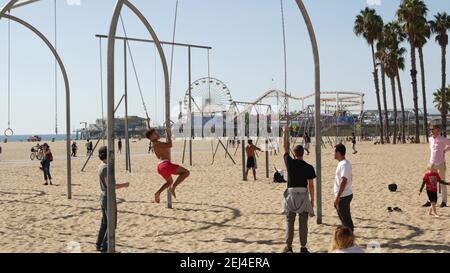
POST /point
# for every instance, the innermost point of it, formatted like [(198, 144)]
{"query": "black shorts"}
[(432, 196), (251, 162)]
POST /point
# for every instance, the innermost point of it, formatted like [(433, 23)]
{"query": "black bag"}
[(393, 187), (278, 177)]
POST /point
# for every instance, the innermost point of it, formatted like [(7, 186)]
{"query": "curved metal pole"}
[(318, 133), (110, 125), (66, 83)]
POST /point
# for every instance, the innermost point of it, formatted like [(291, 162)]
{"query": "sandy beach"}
[(215, 210)]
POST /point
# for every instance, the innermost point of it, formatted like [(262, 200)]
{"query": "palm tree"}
[(438, 95), (392, 59), (381, 55), (369, 25), (401, 66), (396, 36), (411, 14), (440, 25), (422, 36)]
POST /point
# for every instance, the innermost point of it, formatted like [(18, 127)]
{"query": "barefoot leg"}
[(182, 175), (166, 185)]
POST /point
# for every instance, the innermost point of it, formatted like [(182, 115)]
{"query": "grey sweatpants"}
[(303, 228)]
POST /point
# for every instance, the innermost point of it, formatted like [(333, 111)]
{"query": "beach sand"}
[(215, 210)]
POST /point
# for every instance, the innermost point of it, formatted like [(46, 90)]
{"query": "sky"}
[(247, 55)]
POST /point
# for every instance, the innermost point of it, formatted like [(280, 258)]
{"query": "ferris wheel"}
[(209, 95)]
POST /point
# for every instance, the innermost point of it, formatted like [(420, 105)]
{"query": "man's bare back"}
[(251, 149)]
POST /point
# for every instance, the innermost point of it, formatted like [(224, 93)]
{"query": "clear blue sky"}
[(247, 54)]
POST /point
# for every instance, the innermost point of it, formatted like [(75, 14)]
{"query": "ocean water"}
[(23, 138)]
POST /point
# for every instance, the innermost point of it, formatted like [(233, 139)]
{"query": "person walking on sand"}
[(119, 146), (343, 187), (251, 158), (431, 180), (45, 163), (102, 238), (74, 149), (354, 143), (165, 167), (298, 198), (307, 141), (439, 145), (344, 241)]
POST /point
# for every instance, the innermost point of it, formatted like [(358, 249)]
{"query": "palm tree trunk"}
[(386, 118), (424, 94), (377, 91), (394, 100), (402, 106), (444, 94), (415, 91)]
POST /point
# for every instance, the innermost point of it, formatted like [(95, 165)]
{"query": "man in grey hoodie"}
[(299, 196)]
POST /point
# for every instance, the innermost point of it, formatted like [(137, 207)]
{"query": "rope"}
[(173, 46), (156, 87), (209, 81), (134, 68), (101, 84), (9, 71), (56, 70), (286, 102)]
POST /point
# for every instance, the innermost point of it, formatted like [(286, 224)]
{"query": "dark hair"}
[(250, 141), (103, 153), (340, 148), (150, 132), (299, 150), (435, 126)]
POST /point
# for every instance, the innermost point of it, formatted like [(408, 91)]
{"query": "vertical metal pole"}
[(243, 148), (111, 189), (190, 106), (267, 158), (125, 80), (337, 118)]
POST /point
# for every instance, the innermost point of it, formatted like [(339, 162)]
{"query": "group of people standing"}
[(434, 178), (89, 148), (299, 197)]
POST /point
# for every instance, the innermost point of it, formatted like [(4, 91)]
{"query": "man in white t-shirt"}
[(343, 187)]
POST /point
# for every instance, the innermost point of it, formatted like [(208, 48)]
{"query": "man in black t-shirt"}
[(299, 196)]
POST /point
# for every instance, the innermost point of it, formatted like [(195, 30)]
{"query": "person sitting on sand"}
[(102, 238), (251, 158), (298, 198), (344, 241), (431, 179), (166, 168)]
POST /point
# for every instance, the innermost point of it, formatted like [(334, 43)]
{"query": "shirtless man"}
[(166, 168), (251, 158)]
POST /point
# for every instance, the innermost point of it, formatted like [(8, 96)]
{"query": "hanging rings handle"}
[(9, 132)]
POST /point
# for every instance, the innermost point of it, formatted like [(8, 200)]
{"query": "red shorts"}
[(166, 169)]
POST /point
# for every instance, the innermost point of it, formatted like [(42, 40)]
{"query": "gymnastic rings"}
[(9, 132)]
